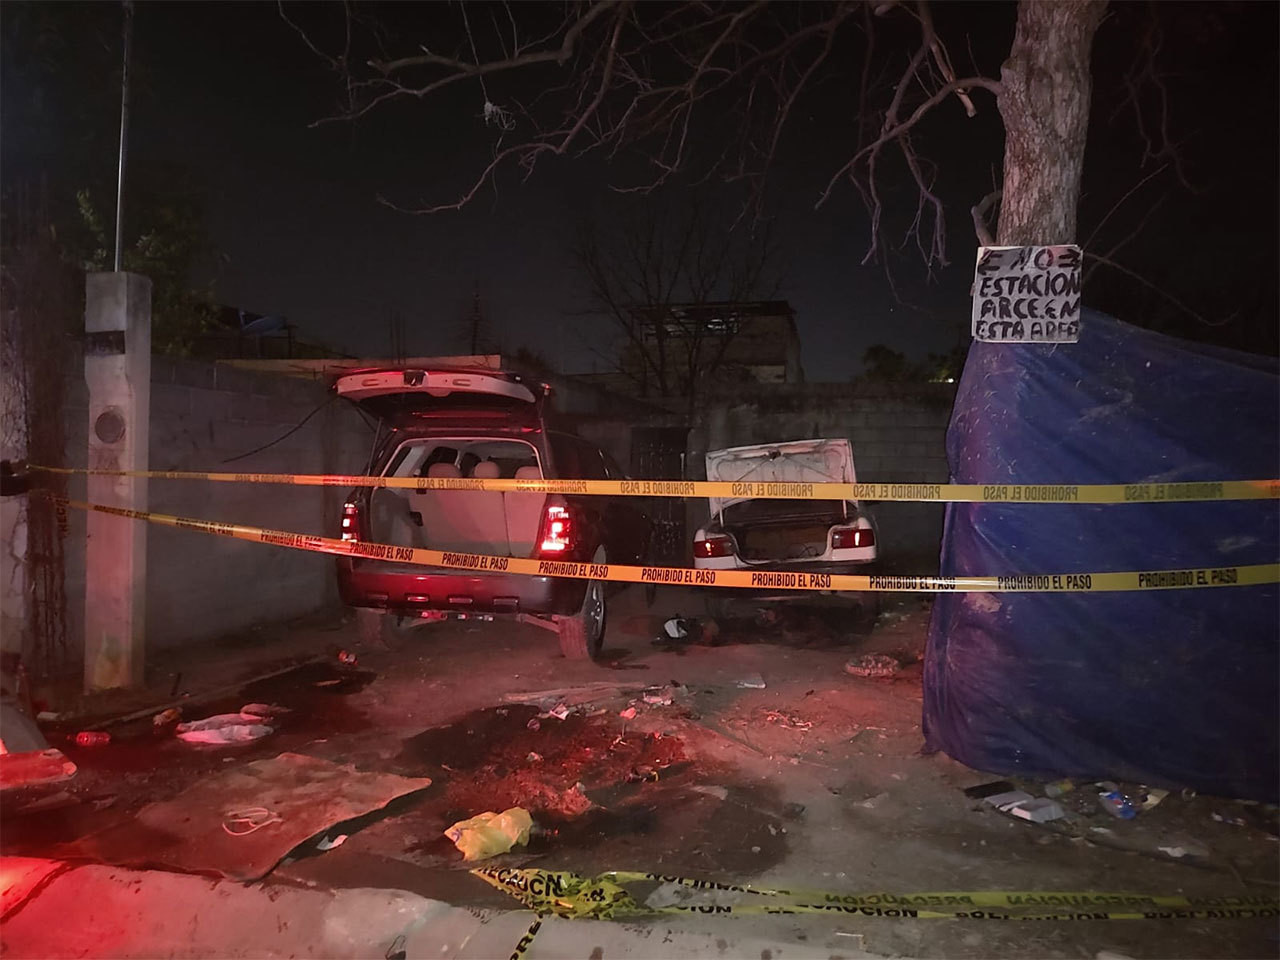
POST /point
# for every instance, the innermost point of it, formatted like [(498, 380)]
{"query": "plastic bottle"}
[(1117, 804), (92, 738)]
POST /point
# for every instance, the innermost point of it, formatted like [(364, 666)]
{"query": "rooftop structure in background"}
[(716, 344), (238, 334)]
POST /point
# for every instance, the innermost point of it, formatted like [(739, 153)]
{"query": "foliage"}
[(883, 364), (170, 239)]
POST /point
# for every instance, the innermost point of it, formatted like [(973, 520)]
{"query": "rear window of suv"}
[(414, 458)]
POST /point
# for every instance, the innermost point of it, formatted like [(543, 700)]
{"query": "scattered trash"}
[(1151, 797), (1007, 801), (1237, 821), (560, 711), (534, 757), (787, 720), (793, 811), (873, 665), (753, 682), (48, 716), (990, 789), (224, 728), (872, 802), (328, 683), (1188, 793), (1185, 848), (676, 629), (1117, 804), (720, 793), (92, 738), (264, 710), (656, 696), (327, 844), (534, 724), (489, 834), (242, 822), (642, 774), (166, 717), (347, 658), (1039, 810), (627, 714), (1059, 788)]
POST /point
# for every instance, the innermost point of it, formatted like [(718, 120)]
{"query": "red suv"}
[(482, 424)]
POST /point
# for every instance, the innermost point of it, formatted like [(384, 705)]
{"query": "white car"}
[(811, 536)]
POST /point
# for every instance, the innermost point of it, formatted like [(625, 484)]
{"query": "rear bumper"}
[(404, 589), (840, 568)]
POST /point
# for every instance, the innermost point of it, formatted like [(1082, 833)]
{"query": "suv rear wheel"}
[(582, 634)]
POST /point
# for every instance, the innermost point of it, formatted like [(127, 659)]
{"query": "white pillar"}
[(117, 369)]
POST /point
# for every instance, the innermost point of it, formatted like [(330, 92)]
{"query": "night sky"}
[(226, 93)]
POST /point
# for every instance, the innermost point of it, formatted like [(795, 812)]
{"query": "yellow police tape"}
[(896, 492), (605, 897), (1238, 576)]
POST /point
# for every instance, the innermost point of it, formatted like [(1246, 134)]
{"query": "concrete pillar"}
[(117, 369)]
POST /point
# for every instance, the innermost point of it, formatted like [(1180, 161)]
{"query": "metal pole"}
[(124, 128)]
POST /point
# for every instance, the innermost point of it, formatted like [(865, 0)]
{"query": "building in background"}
[(686, 349)]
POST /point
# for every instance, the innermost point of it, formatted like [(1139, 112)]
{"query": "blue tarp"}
[(1173, 688)]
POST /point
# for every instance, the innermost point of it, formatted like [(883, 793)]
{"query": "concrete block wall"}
[(203, 414), (898, 432)]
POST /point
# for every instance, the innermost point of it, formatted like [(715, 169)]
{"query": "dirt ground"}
[(742, 753)]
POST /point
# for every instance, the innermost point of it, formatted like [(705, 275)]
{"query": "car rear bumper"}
[(816, 568), (396, 587)]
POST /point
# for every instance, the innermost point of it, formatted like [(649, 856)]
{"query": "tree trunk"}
[(1044, 101)]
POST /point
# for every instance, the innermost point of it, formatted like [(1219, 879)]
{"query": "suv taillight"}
[(557, 531), (853, 537), (350, 522), (714, 547)]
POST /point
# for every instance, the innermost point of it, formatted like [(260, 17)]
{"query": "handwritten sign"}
[(1027, 294)]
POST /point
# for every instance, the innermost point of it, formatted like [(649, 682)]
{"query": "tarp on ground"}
[(1174, 687)]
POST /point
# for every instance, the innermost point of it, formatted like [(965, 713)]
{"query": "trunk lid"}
[(403, 395), (795, 461)]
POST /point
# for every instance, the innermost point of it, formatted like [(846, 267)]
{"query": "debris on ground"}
[(534, 757), (1114, 802), (347, 658), (489, 834), (166, 717), (92, 738), (983, 790), (1059, 788), (1005, 802), (628, 714), (224, 728), (560, 711), (1151, 797), (534, 724), (326, 844), (787, 720), (676, 628), (873, 665), (793, 811), (753, 682), (185, 832), (1039, 810)]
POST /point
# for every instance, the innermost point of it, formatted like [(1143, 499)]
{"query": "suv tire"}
[(582, 634)]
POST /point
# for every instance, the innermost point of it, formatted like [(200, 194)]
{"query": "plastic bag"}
[(489, 834)]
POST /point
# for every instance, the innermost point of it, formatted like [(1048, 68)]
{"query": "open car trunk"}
[(782, 530), (465, 521)]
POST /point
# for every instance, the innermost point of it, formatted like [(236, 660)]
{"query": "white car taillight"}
[(843, 538), (350, 522), (714, 547)]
